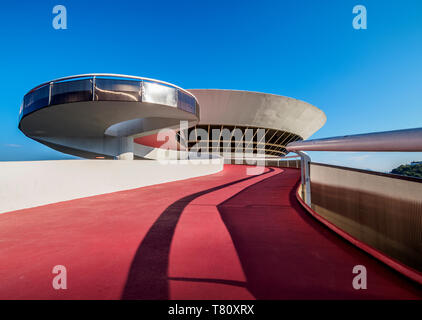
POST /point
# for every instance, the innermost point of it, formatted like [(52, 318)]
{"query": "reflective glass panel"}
[(160, 94), (117, 90), (186, 102), (71, 91), (36, 99)]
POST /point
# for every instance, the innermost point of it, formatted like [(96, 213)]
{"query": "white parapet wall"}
[(27, 184)]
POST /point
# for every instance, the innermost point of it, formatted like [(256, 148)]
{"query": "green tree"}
[(411, 170)]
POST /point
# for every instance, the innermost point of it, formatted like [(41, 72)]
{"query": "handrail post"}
[(305, 162), (50, 85), (93, 88)]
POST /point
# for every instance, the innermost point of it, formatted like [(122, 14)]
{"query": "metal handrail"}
[(111, 75), (407, 140)]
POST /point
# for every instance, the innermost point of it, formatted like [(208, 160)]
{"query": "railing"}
[(380, 213), (408, 140), (284, 162), (107, 87)]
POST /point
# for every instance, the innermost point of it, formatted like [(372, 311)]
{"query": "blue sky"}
[(364, 80)]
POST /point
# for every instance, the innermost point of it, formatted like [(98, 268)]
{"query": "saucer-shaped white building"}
[(126, 117)]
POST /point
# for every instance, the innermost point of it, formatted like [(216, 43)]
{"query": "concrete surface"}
[(262, 110), (28, 184), (380, 210)]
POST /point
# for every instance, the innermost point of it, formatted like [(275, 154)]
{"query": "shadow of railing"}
[(148, 277)]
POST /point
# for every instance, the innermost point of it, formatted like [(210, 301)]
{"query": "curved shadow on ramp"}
[(286, 254), (148, 278)]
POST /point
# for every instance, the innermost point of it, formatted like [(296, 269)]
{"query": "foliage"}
[(411, 170)]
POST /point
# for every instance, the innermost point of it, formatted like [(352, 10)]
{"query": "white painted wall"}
[(28, 184)]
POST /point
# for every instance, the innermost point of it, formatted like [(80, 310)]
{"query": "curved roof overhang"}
[(261, 110)]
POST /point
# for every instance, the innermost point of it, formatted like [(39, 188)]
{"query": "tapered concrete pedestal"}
[(125, 148)]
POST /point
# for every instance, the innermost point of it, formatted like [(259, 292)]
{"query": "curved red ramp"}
[(222, 236)]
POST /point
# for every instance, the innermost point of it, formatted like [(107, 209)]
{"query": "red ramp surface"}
[(222, 236)]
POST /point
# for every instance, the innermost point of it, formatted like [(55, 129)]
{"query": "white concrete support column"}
[(125, 147)]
